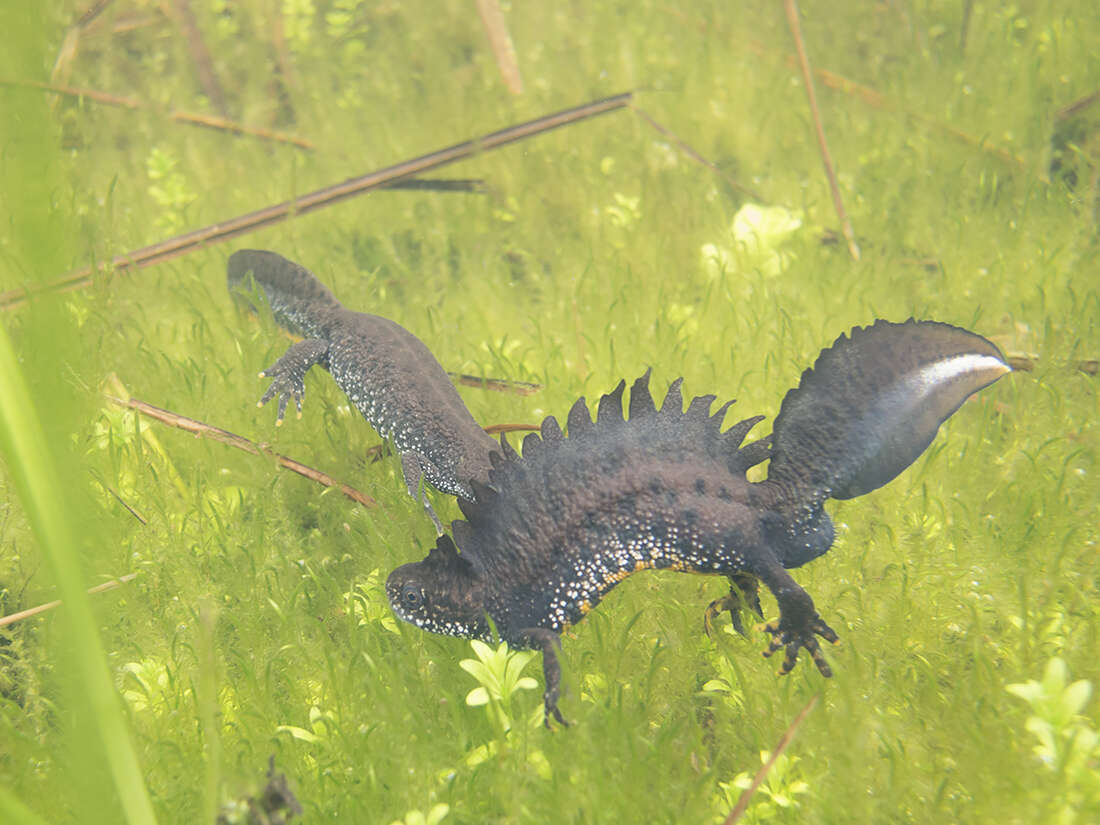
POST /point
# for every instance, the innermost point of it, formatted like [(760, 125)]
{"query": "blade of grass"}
[(35, 476), (207, 652), (128, 507), (964, 27), (14, 812), (285, 81)]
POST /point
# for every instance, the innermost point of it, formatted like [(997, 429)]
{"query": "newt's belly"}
[(581, 581)]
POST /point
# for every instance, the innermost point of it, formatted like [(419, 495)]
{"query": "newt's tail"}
[(872, 403), (298, 301)]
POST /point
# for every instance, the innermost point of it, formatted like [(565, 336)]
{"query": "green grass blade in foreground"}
[(14, 812), (35, 474)]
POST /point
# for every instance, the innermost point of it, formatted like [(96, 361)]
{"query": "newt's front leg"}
[(289, 372), (412, 467), (798, 625)]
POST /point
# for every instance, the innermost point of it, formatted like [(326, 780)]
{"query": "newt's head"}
[(440, 594)]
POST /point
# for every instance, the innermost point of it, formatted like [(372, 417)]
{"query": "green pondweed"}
[(757, 233), (726, 684), (1068, 744), (433, 817), (169, 188), (367, 602), (499, 674), (625, 212), (150, 685), (319, 721), (779, 792)]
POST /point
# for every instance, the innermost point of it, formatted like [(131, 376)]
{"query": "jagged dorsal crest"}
[(578, 421), (551, 430), (444, 556), (609, 411), (700, 407), (561, 474), (641, 401), (673, 405), (478, 511), (694, 426), (532, 445), (507, 449)]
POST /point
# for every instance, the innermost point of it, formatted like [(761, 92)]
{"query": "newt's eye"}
[(411, 596)]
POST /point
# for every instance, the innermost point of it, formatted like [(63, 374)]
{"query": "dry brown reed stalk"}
[(189, 118), (219, 232), (180, 12), (500, 41), (42, 608), (494, 429), (1078, 105), (1029, 363), (686, 148), (204, 430), (762, 774), (878, 100), (870, 96), (808, 81), (495, 384)]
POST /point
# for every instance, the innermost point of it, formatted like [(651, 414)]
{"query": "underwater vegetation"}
[(258, 623)]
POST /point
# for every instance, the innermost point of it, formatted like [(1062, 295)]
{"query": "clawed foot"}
[(549, 642), (288, 375), (744, 592), (286, 388), (552, 710), (788, 635)]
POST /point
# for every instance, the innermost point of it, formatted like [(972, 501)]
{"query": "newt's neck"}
[(795, 524)]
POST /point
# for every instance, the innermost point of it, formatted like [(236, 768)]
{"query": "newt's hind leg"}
[(744, 592), (414, 479), (549, 643)]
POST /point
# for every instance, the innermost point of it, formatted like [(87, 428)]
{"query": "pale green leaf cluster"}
[(1068, 743)]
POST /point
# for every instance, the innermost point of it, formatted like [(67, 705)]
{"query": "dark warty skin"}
[(555, 529), (385, 370)]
